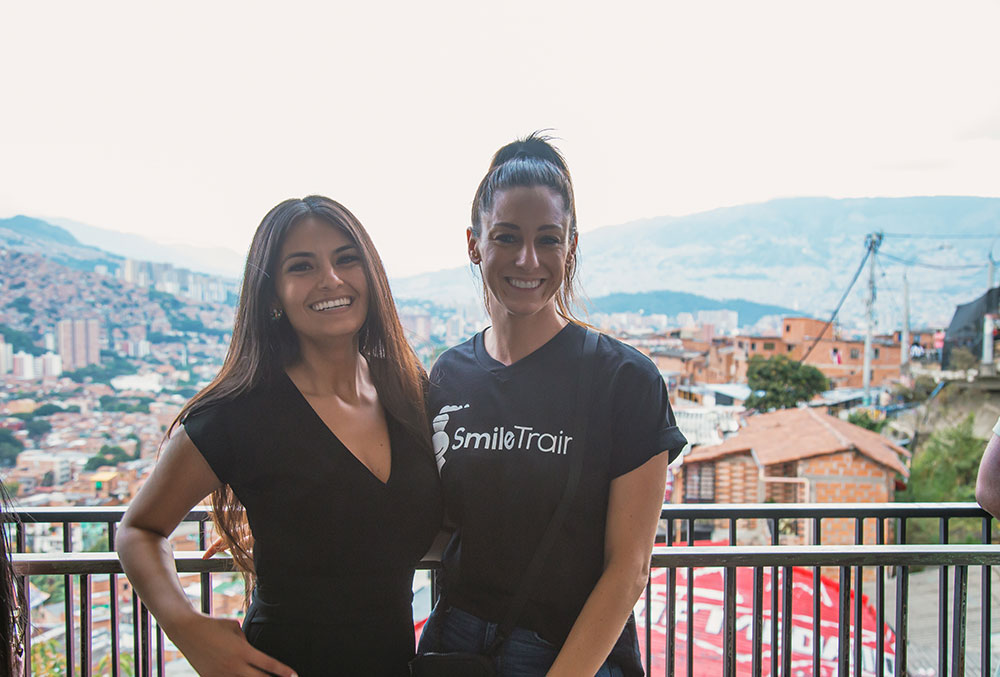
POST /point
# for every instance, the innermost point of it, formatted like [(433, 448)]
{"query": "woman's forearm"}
[(600, 622), (148, 561)]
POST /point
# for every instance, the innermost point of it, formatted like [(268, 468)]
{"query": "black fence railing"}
[(775, 572), (681, 520)]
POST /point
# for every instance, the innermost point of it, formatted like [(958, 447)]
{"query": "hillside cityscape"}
[(99, 351)]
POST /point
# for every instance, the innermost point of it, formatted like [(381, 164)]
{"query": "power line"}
[(943, 236), (836, 310), (935, 266)]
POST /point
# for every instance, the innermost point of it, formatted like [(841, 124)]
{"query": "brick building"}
[(841, 360), (795, 456)]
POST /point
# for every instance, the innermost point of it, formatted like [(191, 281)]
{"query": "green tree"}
[(944, 469), (10, 447), (37, 427), (126, 665), (21, 304), (48, 410), (780, 383), (20, 340), (48, 658), (107, 456), (863, 419), (962, 359)]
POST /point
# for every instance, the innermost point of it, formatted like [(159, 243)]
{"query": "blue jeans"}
[(523, 654)]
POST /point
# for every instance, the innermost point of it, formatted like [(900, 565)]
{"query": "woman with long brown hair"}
[(314, 445), (12, 625)]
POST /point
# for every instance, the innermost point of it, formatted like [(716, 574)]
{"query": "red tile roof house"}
[(794, 456)]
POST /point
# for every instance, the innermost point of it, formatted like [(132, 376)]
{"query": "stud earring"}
[(276, 314)]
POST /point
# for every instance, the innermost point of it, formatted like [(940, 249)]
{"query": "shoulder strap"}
[(581, 419)]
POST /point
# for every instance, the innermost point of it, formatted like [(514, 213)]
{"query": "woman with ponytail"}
[(509, 425), (313, 443)]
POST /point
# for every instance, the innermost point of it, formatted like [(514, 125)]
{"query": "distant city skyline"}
[(187, 127)]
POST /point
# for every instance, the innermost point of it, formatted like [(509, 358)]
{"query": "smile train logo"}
[(499, 438), (440, 438)]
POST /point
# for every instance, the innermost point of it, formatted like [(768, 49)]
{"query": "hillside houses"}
[(795, 456)]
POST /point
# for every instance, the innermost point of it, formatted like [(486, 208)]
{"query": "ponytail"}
[(528, 163)]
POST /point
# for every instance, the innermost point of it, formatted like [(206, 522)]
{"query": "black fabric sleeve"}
[(644, 423), (208, 430)]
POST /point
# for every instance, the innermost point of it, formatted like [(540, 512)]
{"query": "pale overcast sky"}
[(186, 122)]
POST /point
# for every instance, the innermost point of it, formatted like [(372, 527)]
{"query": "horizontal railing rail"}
[(706, 511), (193, 562)]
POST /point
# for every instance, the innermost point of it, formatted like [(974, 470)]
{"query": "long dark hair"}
[(530, 162), (12, 614), (262, 347)]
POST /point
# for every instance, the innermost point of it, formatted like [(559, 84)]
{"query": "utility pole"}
[(992, 270), (904, 339), (873, 241)]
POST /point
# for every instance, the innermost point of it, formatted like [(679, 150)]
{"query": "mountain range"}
[(792, 255), (795, 252)]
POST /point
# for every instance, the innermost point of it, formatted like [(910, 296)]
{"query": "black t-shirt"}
[(503, 436), (323, 524)]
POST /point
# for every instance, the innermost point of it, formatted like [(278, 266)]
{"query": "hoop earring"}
[(276, 314)]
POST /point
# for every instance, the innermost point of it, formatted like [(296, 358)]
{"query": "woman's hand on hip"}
[(217, 646)]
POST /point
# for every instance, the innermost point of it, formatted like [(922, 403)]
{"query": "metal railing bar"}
[(113, 596), (649, 622), (828, 555), (758, 622), (902, 604), (51, 514), (86, 646), (774, 601), (708, 511), (987, 601), (880, 603), (205, 578), (943, 607), (67, 542), (729, 617), (958, 639), (817, 637), (671, 647), (859, 539), (976, 554), (136, 648), (844, 622), (160, 668), (26, 596), (787, 578), (671, 643), (145, 641), (902, 617), (689, 649)]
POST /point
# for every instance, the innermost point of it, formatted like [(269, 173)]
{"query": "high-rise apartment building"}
[(6, 357), (79, 342), (24, 365)]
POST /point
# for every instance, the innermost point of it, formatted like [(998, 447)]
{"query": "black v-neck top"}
[(325, 528)]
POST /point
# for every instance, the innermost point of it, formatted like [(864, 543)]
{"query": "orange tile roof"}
[(791, 434)]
